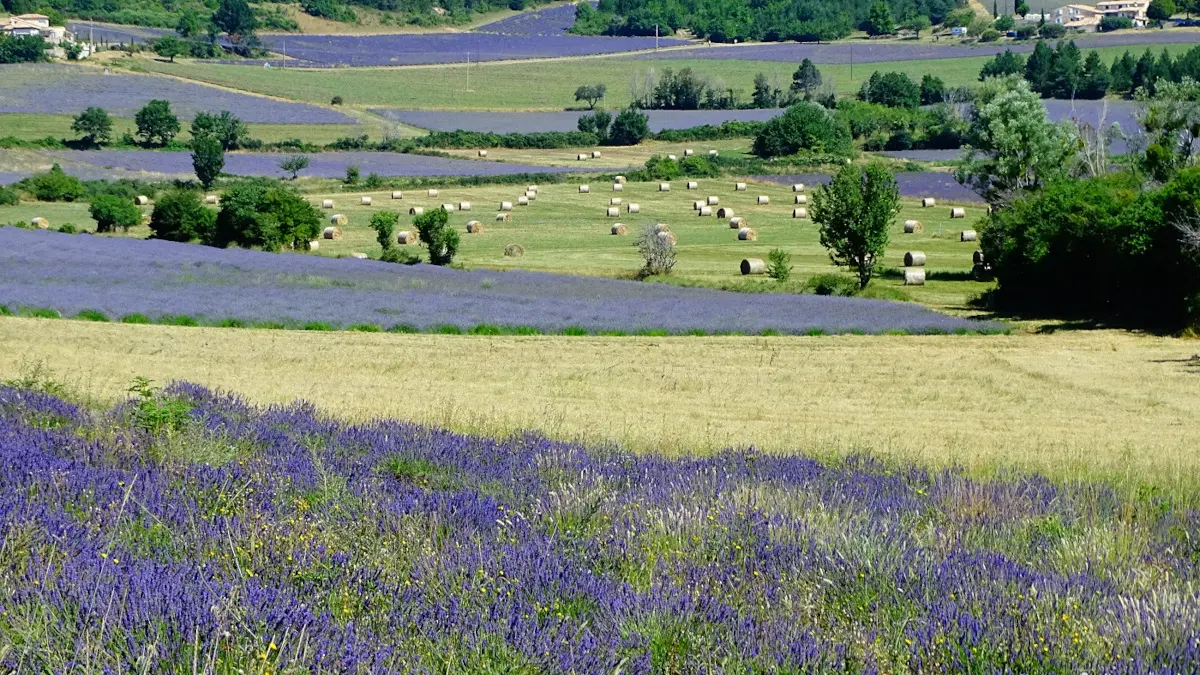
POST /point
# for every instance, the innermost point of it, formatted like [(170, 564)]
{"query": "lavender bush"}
[(156, 278), (187, 531)]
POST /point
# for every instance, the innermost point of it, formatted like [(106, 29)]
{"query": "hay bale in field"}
[(688, 152), (619, 229), (753, 266), (958, 212), (338, 219), (483, 153), (332, 233), (668, 237), (693, 185), (763, 200), (583, 189), (614, 201), (739, 187), (503, 217), (801, 199), (713, 201), (617, 187), (914, 259), (416, 211), (914, 276), (633, 208), (359, 256), (474, 227), (747, 234), (327, 204), (724, 212), (928, 202), (798, 187), (314, 245), (800, 213), (982, 272), (522, 201), (405, 238), (464, 206), (664, 187), (141, 200), (595, 154), (913, 227), (672, 157), (612, 212), (397, 194), (737, 223), (661, 227), (210, 199), (713, 153), (620, 179), (506, 206), (977, 257), (431, 192), (531, 188), (40, 223), (581, 157), (514, 251), (968, 235), (705, 211), (449, 208), (365, 201), (698, 204), (531, 196)]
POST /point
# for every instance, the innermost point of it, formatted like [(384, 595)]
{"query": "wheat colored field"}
[(1096, 405)]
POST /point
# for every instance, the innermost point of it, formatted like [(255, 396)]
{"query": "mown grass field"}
[(612, 157), (566, 232), (1076, 405), (31, 127), (539, 85)]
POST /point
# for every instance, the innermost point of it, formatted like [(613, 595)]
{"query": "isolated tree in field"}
[(880, 20), (1161, 10), (629, 128), (384, 224), (806, 79), (169, 46), (179, 215), (255, 213), (441, 241), (208, 158), (294, 165), (591, 93), (854, 213), (111, 212), (156, 123), (230, 131), (93, 125)]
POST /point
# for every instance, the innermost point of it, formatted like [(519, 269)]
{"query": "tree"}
[(179, 215), (1037, 68), (170, 46), (806, 79), (933, 90), (895, 90), (294, 165), (1004, 23), (854, 213), (112, 211), (236, 19), (803, 126), (93, 125), (592, 93), (1066, 72), (188, 24), (1170, 120), (156, 124), (1000, 65), (22, 48), (596, 123), (208, 158), (257, 213), (1121, 74), (1161, 10), (384, 224), (229, 131), (441, 241), (629, 128), (1096, 78), (1013, 146), (880, 20), (765, 95), (1022, 9), (917, 24)]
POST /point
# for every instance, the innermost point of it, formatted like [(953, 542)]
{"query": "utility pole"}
[(468, 71), (655, 37)]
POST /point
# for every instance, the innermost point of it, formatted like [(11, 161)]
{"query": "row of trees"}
[(1064, 72), (157, 125)]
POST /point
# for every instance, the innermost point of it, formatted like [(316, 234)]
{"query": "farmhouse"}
[(1087, 17), (26, 25)]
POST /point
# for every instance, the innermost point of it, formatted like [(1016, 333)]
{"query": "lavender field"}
[(187, 531), (534, 23), (118, 277), (530, 122)]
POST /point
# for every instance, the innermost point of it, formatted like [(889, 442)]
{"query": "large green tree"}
[(208, 159), (156, 123), (880, 20), (179, 215), (804, 126), (806, 79), (854, 213), (93, 125)]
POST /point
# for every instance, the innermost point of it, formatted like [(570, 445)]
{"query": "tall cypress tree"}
[(1037, 68)]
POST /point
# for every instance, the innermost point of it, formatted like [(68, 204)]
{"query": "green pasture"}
[(538, 85)]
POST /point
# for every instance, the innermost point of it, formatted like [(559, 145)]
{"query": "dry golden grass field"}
[(1092, 405)]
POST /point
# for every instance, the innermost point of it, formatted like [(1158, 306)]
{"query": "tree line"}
[(1064, 72)]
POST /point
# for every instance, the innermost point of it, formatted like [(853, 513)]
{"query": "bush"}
[(1004, 23), (8, 197), (779, 264), (831, 283), (629, 128), (337, 100), (989, 35), (698, 167), (93, 125), (441, 240), (180, 215), (1052, 31), (264, 214), (351, 175), (111, 212), (895, 90), (1026, 32), (804, 126), (659, 167), (1111, 22), (658, 254), (22, 49), (54, 186)]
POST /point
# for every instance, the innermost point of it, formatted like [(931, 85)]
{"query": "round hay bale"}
[(474, 227), (914, 276), (914, 259), (982, 272), (210, 199), (753, 266), (613, 212), (327, 204), (737, 223), (464, 206), (359, 256), (619, 229), (698, 204), (958, 212), (633, 208), (668, 237), (338, 219), (531, 196), (332, 233), (705, 211), (713, 153), (614, 201), (664, 187), (595, 154), (724, 212), (968, 235), (763, 200), (581, 157), (365, 201), (977, 257), (522, 201), (431, 192), (40, 223), (688, 152), (531, 188), (620, 179), (693, 185), (617, 187), (449, 208), (416, 211), (913, 227), (739, 187), (672, 157), (503, 217), (406, 237), (483, 153), (713, 201), (798, 187), (507, 206), (661, 227), (928, 202), (800, 213), (514, 251), (397, 195), (314, 245), (141, 200), (801, 199), (583, 189), (747, 234)]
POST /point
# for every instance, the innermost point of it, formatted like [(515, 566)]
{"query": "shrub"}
[(1052, 31), (351, 175), (658, 255), (659, 167), (933, 90), (895, 90), (337, 100), (180, 215), (831, 284), (136, 318), (111, 212), (989, 35), (373, 181), (442, 241), (1026, 32), (22, 49), (854, 213), (384, 224), (230, 131), (1111, 22), (8, 197), (804, 126), (629, 128), (1004, 23), (779, 264), (257, 213), (698, 167), (91, 315), (54, 186)]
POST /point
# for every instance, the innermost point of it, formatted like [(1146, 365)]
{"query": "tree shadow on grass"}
[(1189, 365)]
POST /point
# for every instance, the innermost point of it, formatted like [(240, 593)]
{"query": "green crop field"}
[(27, 126)]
